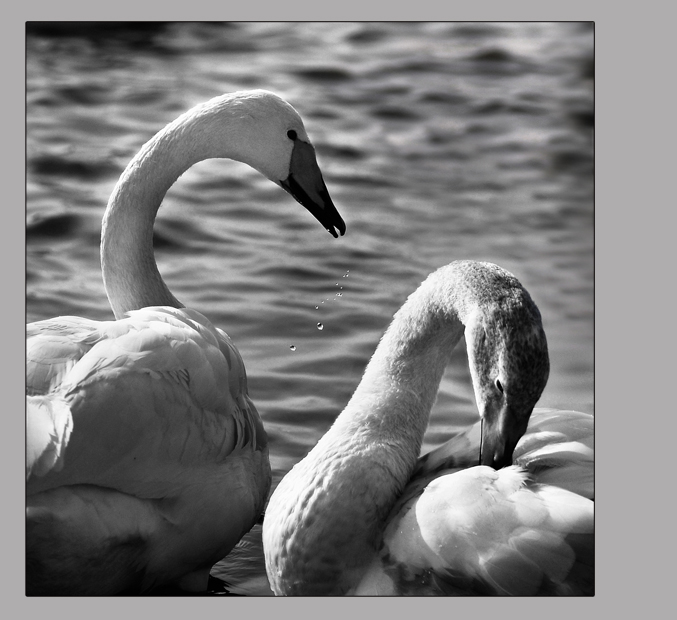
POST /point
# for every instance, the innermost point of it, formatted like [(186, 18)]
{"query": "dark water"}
[(438, 141)]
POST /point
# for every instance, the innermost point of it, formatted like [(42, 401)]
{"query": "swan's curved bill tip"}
[(318, 202), (501, 430), (341, 230)]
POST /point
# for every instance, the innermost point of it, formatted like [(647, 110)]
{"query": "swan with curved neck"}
[(360, 514), (146, 459), (254, 127)]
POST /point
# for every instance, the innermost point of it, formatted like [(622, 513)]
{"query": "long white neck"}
[(130, 273), (393, 401), (334, 503)]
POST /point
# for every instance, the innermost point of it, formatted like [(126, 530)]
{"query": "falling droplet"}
[(339, 294), (320, 326), (317, 307), (292, 347)]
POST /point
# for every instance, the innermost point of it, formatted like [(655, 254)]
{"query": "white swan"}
[(360, 515), (146, 459)]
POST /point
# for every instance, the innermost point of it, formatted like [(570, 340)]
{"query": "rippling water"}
[(437, 141)]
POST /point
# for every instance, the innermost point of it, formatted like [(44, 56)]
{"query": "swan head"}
[(261, 129), (509, 364)]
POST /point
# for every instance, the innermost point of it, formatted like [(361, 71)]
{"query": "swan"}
[(146, 460), (361, 514)]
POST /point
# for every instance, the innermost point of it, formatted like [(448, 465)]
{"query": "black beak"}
[(501, 431), (306, 185)]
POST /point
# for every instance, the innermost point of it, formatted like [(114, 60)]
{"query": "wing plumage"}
[(523, 530), (151, 408)]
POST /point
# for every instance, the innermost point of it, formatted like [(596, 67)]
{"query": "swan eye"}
[(499, 387), (291, 134)]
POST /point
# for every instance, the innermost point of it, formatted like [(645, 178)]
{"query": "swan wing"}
[(486, 532), (53, 348), (558, 448), (48, 428), (523, 530), (138, 405), (146, 459)]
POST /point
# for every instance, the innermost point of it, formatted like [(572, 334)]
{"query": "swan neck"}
[(401, 381), (365, 458), (130, 274)]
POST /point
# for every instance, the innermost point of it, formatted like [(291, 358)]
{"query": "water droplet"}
[(320, 326), (339, 294), (317, 307), (292, 347)]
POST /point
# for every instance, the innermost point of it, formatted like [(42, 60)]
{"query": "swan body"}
[(363, 514), (146, 460)]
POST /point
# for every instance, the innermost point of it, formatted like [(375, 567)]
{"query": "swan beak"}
[(306, 185), (500, 433)]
